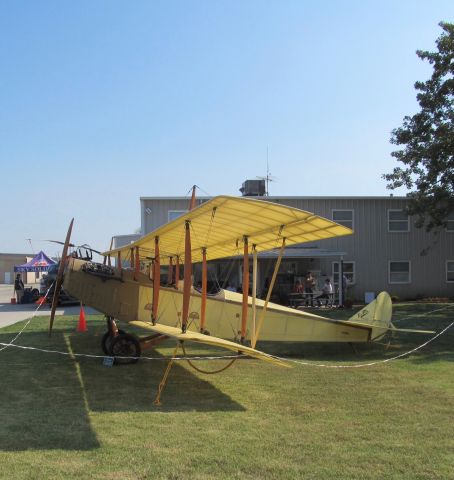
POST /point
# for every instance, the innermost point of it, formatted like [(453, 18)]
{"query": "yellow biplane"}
[(131, 291)]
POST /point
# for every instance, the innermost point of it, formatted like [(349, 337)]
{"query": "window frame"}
[(181, 213), (446, 271), (389, 220), (409, 272), (337, 262), (448, 221), (344, 210)]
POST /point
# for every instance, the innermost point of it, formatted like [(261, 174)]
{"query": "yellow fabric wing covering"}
[(208, 340), (220, 225)]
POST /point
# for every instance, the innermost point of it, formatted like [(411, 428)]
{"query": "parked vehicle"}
[(48, 281)]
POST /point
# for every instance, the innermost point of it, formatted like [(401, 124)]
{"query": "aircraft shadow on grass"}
[(45, 404)]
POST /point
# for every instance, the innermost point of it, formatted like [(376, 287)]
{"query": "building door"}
[(8, 277)]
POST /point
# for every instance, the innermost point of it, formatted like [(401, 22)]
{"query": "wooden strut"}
[(244, 311), (192, 202), (162, 383), (177, 272), (107, 258), (203, 304), (187, 276), (170, 272), (132, 257), (136, 264), (255, 335), (119, 260), (254, 289), (156, 280)]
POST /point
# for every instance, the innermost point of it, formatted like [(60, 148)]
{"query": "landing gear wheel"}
[(125, 345), (107, 340)]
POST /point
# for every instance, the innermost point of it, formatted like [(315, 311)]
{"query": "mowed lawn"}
[(62, 417)]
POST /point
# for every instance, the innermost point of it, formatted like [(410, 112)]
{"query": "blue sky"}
[(102, 102)]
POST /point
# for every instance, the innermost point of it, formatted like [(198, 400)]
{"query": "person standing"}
[(344, 288), (19, 288), (309, 283)]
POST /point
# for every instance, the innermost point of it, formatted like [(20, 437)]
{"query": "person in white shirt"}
[(327, 292)]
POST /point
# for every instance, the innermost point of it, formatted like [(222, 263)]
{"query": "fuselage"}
[(127, 296)]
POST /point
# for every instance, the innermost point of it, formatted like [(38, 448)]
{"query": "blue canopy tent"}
[(39, 263)]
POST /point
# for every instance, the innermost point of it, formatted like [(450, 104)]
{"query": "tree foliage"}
[(427, 140)]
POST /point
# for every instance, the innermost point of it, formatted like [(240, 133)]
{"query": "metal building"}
[(386, 252)]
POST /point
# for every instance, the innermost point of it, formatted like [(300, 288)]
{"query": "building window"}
[(399, 272), (173, 214), (349, 272), (450, 271), (398, 221), (343, 217), (450, 222)]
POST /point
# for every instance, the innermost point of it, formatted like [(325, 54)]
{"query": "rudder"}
[(377, 314)]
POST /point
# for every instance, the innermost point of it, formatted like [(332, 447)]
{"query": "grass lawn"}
[(62, 417)]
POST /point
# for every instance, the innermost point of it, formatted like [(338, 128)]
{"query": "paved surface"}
[(10, 313)]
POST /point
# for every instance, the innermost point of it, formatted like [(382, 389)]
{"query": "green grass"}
[(66, 418)]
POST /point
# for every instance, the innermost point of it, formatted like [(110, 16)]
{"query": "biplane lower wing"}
[(208, 340)]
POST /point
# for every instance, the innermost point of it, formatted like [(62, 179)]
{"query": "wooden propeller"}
[(59, 280)]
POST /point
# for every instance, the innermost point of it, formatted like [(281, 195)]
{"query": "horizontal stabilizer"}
[(191, 336), (391, 328), (377, 315)]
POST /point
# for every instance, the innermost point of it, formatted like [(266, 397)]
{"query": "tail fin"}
[(377, 314)]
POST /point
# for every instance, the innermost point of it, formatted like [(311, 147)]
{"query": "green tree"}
[(427, 140)]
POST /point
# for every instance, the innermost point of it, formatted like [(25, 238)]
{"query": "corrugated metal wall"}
[(371, 247)]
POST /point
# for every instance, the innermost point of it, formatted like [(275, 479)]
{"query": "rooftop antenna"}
[(269, 178), (29, 240)]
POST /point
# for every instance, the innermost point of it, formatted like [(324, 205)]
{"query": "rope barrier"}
[(88, 355), (208, 372), (378, 362), (225, 357), (5, 345)]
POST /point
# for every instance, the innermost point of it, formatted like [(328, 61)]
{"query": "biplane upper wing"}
[(220, 225), (189, 335)]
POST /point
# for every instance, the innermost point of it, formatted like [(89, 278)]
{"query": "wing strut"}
[(136, 264), (254, 289), (187, 275), (131, 251), (163, 382), (203, 305), (255, 334), (192, 202), (107, 259), (170, 272), (245, 289), (156, 280), (177, 272)]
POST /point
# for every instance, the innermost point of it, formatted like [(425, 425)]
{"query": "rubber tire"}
[(125, 345), (105, 341)]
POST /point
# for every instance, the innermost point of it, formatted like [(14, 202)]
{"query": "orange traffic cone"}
[(82, 325)]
